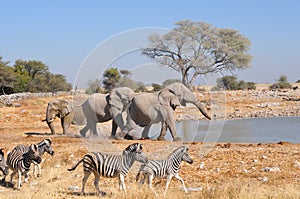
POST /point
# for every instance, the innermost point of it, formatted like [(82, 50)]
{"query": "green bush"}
[(281, 83), (231, 83)]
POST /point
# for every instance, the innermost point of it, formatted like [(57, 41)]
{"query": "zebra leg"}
[(25, 176), (19, 179), (150, 179), (169, 178), (12, 176), (34, 170), (143, 179), (182, 182), (122, 183), (39, 170), (86, 176), (96, 183)]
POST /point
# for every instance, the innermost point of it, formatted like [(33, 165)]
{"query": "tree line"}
[(30, 76)]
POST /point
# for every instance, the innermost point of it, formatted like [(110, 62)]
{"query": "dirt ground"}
[(223, 170)]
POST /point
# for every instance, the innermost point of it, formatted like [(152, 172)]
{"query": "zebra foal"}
[(3, 165), (20, 162), (165, 168), (110, 166), (43, 146)]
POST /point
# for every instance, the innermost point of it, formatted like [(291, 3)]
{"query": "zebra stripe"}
[(20, 162), (3, 165), (43, 146), (110, 166), (165, 168)]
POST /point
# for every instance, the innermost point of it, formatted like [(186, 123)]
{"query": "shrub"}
[(281, 83)]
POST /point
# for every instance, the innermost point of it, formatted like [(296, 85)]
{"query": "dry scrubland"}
[(229, 171)]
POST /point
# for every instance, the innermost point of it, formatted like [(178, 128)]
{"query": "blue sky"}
[(63, 34)]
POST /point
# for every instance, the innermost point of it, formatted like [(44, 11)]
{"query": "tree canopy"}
[(197, 48), (30, 76)]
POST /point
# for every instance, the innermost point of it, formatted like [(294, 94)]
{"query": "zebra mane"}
[(44, 141), (133, 147), (178, 150)]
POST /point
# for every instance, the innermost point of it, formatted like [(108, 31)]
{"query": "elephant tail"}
[(75, 166)]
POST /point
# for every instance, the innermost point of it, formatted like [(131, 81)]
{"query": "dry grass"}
[(231, 170)]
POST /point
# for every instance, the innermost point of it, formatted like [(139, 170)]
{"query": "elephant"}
[(104, 107), (119, 100), (96, 109), (66, 111), (150, 108)]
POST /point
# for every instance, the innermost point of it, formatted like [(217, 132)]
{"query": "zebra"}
[(20, 162), (3, 165), (165, 168), (43, 146), (110, 166)]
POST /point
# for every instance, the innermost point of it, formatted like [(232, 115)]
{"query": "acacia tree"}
[(197, 48)]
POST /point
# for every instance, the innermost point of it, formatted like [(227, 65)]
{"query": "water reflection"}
[(254, 130)]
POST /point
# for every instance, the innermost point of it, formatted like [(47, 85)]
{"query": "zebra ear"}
[(49, 140), (1, 152), (141, 146)]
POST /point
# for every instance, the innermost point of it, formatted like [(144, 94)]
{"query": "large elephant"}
[(96, 109), (149, 108), (104, 107), (66, 111), (119, 100)]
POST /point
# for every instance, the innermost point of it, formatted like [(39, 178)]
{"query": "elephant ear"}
[(120, 97), (65, 108), (167, 98)]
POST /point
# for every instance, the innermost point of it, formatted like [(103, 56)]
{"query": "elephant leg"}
[(146, 132), (171, 125), (84, 130), (66, 122), (163, 131), (94, 128), (113, 130), (65, 126)]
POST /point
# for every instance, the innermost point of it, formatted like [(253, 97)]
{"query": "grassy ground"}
[(229, 171)]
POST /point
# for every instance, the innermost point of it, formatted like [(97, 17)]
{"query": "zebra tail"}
[(75, 166)]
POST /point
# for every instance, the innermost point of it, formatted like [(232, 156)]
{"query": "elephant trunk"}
[(51, 126), (201, 108), (49, 119)]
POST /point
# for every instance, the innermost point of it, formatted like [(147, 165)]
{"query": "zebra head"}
[(133, 147), (186, 156), (34, 154), (45, 146), (136, 150), (3, 165)]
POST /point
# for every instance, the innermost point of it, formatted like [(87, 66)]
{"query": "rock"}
[(264, 179), (264, 157), (270, 169), (33, 183), (73, 188), (256, 161), (297, 164), (194, 189), (202, 166)]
